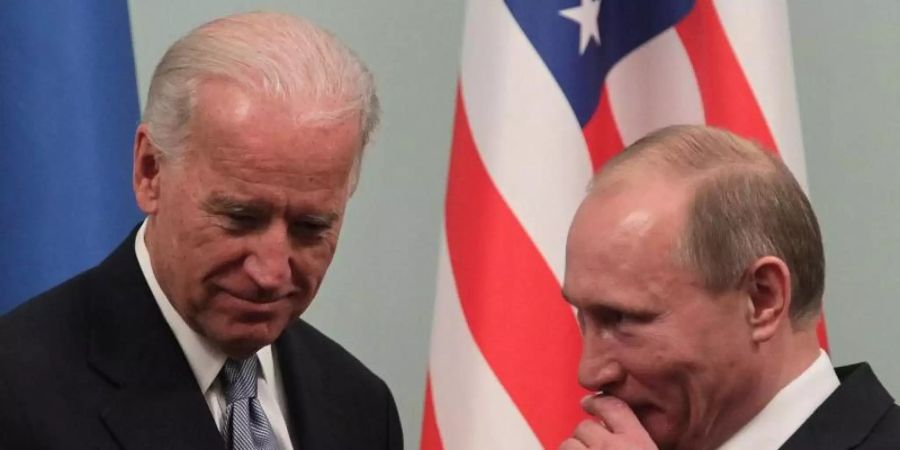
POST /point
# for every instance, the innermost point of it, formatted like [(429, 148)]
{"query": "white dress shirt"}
[(206, 360), (788, 410)]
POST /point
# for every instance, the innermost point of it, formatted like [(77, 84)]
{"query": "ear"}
[(769, 289), (146, 170)]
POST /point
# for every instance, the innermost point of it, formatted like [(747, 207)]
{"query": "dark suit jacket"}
[(860, 414), (93, 364)]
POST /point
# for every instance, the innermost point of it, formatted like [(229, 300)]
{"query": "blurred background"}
[(378, 297)]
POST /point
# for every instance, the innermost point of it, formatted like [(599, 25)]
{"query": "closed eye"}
[(616, 318), (242, 221), (237, 216), (311, 227)]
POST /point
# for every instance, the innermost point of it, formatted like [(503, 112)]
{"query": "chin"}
[(240, 340), (242, 347), (240, 328)]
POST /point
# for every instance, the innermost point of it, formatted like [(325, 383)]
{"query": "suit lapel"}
[(157, 403), (313, 420), (848, 415)]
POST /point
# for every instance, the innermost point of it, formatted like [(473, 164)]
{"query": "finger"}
[(572, 444), (614, 413), (590, 432), (589, 408)]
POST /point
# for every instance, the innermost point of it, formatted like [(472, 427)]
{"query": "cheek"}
[(293, 309), (309, 268), (311, 263), (662, 367), (660, 379), (209, 260), (660, 371), (690, 384)]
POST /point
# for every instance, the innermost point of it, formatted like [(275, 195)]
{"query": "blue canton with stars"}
[(623, 24)]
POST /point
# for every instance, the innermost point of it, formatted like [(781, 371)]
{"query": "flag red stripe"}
[(431, 436), (602, 134), (510, 297), (820, 331), (728, 99)]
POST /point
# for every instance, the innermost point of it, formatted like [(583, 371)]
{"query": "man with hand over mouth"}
[(696, 267)]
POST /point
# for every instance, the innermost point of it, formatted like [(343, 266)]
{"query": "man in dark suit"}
[(188, 335), (696, 267)]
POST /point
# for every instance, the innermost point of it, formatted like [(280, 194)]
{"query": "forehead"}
[(232, 123), (626, 234), (226, 105), (247, 145), (644, 211)]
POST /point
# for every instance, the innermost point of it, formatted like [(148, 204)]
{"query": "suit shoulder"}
[(40, 340), (364, 399), (886, 433), (48, 318), (326, 349), (865, 405), (332, 357)]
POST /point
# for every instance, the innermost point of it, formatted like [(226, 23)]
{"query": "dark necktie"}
[(246, 425)]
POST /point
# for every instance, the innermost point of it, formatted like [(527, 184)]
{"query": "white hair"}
[(281, 55)]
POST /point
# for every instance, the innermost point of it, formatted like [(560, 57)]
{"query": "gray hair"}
[(281, 55), (746, 204)]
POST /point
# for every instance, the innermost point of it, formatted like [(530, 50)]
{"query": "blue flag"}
[(68, 111)]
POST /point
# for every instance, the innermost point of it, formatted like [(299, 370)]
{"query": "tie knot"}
[(239, 378)]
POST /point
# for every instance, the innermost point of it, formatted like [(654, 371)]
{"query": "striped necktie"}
[(246, 425)]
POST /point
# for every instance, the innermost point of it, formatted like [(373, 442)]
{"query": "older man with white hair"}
[(188, 335)]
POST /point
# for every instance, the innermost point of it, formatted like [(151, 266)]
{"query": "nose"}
[(268, 262), (599, 368)]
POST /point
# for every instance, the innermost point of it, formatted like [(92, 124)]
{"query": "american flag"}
[(548, 91)]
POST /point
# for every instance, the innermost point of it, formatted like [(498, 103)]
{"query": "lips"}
[(644, 409), (256, 295), (251, 307), (641, 408)]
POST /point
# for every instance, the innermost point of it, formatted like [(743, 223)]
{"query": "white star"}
[(586, 16)]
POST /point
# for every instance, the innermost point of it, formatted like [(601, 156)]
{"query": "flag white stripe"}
[(654, 86), (759, 34), (471, 407), (523, 127)]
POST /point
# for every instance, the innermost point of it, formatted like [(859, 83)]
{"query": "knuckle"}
[(584, 427)]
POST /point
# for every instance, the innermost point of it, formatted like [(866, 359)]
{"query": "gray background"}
[(377, 298)]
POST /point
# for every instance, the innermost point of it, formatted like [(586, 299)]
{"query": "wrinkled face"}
[(243, 227), (653, 336)]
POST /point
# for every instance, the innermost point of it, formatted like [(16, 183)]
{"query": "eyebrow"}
[(328, 217), (607, 304), (221, 203), (224, 203)]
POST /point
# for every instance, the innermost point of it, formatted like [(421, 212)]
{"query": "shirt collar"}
[(789, 409), (205, 359)]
